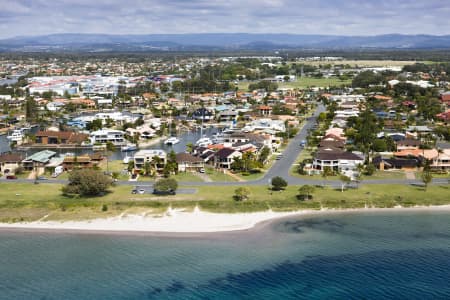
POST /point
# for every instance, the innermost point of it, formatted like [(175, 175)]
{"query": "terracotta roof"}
[(427, 153), (408, 142), (71, 137)]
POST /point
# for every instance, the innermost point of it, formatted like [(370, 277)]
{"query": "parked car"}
[(11, 177), (169, 192), (138, 191), (202, 170)]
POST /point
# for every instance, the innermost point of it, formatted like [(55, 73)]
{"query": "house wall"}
[(8, 167)]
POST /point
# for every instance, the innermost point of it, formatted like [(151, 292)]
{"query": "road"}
[(279, 168)]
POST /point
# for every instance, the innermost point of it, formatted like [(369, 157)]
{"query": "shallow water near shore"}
[(344, 256)]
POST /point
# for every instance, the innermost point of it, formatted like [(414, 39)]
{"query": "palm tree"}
[(345, 180), (326, 172), (156, 160)]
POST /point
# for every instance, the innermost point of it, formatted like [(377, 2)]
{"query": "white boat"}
[(128, 147), (127, 159), (100, 147), (172, 141), (204, 142), (16, 136), (218, 138)]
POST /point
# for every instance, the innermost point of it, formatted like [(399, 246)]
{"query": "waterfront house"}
[(407, 144), (108, 135), (228, 115), (336, 159), (265, 110), (77, 162), (9, 163), (395, 163), (225, 157), (203, 114), (38, 159), (60, 137), (442, 160), (188, 162), (155, 157)]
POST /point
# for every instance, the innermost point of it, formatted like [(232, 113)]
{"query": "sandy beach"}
[(179, 221)]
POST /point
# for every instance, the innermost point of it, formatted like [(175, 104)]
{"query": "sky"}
[(334, 17)]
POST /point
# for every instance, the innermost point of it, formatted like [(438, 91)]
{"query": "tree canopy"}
[(87, 182), (278, 183)]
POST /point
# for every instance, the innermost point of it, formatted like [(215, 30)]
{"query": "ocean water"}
[(389, 255)]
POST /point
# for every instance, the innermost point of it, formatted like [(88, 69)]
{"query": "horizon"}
[(223, 33), (323, 17)]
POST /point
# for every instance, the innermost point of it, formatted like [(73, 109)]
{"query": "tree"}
[(366, 78), (166, 185), (171, 166), (189, 147), (130, 166), (264, 154), (115, 175), (31, 110), (87, 182), (241, 194), (370, 169), (94, 125), (426, 174), (345, 180), (278, 183), (305, 192), (147, 168), (426, 178)]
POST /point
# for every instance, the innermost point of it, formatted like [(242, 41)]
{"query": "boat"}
[(100, 147), (172, 141), (203, 142), (127, 159), (128, 147), (16, 136), (218, 138)]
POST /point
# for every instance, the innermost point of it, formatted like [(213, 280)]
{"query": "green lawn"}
[(304, 82), (217, 176), (27, 201), (395, 174), (186, 177), (418, 175), (115, 166)]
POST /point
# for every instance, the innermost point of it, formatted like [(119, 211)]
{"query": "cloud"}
[(345, 17)]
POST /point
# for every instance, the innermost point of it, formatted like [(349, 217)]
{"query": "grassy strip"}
[(28, 202)]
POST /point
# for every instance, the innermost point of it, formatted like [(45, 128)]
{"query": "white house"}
[(108, 135), (225, 157), (147, 156)]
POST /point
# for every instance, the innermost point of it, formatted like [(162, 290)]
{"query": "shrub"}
[(166, 184), (278, 183), (305, 192), (87, 182), (241, 194)]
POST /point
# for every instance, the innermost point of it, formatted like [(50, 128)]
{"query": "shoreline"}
[(178, 223)]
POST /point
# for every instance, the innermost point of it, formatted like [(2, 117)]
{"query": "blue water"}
[(347, 256), (185, 138)]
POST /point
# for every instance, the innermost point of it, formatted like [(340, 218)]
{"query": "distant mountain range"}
[(217, 41)]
